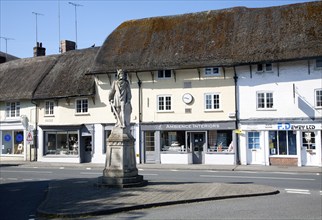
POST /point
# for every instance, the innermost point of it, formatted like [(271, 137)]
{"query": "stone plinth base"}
[(121, 182), (120, 167)]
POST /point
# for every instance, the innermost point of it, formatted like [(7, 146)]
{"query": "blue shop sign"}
[(7, 137), (19, 138)]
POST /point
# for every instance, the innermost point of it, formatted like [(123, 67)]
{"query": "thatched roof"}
[(214, 38), (67, 78), (7, 57), (48, 77), (19, 78)]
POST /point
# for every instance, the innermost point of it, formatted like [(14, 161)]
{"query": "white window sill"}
[(266, 109), (82, 114), (213, 110), (170, 111), (49, 116)]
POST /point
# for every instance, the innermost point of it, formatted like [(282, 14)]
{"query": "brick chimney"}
[(39, 50), (66, 45)]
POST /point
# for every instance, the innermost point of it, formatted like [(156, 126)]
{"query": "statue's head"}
[(121, 74)]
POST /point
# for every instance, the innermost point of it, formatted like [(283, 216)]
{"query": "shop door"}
[(308, 150), (149, 147), (86, 156), (197, 143), (254, 150)]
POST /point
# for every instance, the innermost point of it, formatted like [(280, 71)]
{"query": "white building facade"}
[(280, 113)]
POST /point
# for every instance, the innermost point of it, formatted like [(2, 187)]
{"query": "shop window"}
[(253, 140), (308, 140), (173, 141), (164, 103), (12, 142), (164, 74), (212, 71), (61, 143), (81, 106), (49, 108), (282, 143), (12, 109), (265, 100), (212, 101), (318, 98), (220, 141)]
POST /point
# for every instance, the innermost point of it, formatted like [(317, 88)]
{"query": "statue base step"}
[(121, 182)]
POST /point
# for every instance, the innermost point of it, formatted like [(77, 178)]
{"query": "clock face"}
[(187, 98)]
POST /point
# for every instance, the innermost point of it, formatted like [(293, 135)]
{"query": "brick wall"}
[(278, 161)]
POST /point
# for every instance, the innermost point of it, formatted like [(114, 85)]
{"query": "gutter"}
[(140, 117), (237, 116)]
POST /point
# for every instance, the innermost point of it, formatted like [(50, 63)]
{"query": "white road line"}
[(141, 169), (254, 177), (88, 168), (150, 174), (61, 168), (298, 191), (174, 170), (321, 193), (88, 173), (12, 178), (27, 179), (26, 171)]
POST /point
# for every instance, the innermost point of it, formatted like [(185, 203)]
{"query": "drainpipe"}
[(237, 116), (36, 132), (140, 116)]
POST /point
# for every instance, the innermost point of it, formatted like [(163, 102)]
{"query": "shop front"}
[(188, 143), (281, 144), (66, 143), (13, 142)]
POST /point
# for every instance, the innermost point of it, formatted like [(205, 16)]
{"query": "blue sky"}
[(95, 19)]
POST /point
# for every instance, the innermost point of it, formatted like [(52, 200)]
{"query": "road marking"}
[(12, 178), (298, 191), (88, 168), (61, 168), (150, 174), (258, 177), (88, 173), (141, 169), (321, 193), (26, 171), (174, 170), (27, 179)]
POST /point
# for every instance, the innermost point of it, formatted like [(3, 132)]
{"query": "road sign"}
[(30, 137)]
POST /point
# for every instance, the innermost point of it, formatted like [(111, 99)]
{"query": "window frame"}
[(219, 101), (318, 60), (12, 111), (49, 109), (213, 73), (162, 74), (264, 67), (318, 98), (256, 140), (82, 110), (265, 108), (165, 104)]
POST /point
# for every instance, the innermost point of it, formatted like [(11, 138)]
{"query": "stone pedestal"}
[(120, 166)]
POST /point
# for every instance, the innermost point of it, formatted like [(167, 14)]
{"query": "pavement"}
[(78, 197)]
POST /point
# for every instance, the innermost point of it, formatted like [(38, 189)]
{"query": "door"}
[(149, 147), (308, 150), (197, 145), (254, 150), (87, 149)]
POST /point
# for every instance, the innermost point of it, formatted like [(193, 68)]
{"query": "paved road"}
[(23, 188)]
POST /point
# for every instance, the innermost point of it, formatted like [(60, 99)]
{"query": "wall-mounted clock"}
[(187, 98)]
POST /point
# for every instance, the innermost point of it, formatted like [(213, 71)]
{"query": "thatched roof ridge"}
[(226, 37), (19, 78), (67, 77), (48, 77)]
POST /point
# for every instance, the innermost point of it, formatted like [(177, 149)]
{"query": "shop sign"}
[(289, 126), (192, 126), (30, 138)]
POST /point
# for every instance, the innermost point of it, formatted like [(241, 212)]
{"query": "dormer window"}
[(318, 63), (164, 74), (212, 71), (264, 67)]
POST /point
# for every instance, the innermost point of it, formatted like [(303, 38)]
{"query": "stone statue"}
[(120, 100)]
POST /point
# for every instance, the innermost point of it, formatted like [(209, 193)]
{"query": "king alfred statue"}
[(120, 166)]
